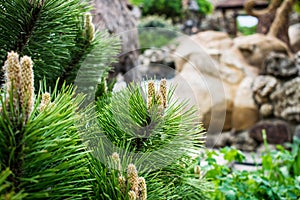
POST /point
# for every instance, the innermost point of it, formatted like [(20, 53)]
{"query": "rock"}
[(244, 142), (280, 66), (294, 36), (245, 111), (213, 40), (224, 139), (277, 131), (233, 58), (266, 110), (189, 51), (297, 61), (212, 96), (262, 88), (286, 100), (255, 48)]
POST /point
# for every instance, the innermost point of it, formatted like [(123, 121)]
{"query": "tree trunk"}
[(274, 20), (280, 25), (115, 16), (265, 17)]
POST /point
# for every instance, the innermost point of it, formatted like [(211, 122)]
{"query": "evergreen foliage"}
[(56, 34), (43, 157), (160, 136), (46, 152)]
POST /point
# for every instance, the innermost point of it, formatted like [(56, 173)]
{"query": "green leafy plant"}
[(136, 2), (245, 30), (277, 177), (170, 9), (205, 7)]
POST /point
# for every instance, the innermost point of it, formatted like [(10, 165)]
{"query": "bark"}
[(265, 17), (115, 16), (280, 25), (274, 20)]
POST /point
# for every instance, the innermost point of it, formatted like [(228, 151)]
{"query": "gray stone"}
[(279, 65), (297, 61), (262, 88), (286, 100), (244, 142)]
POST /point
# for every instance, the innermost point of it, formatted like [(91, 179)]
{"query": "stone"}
[(286, 101), (245, 111), (189, 51), (233, 58), (212, 96), (213, 40), (244, 142), (294, 36), (262, 88), (297, 61), (266, 110), (277, 131), (280, 66), (224, 139), (256, 47)]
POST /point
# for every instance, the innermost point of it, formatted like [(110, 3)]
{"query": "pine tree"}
[(57, 35), (160, 135), (52, 149), (42, 153)]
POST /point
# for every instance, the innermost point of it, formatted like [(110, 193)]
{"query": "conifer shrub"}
[(41, 152), (58, 35), (160, 135)]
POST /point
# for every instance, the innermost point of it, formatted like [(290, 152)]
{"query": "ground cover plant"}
[(276, 177)]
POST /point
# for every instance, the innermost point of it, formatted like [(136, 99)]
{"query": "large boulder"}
[(212, 96), (213, 40), (255, 48), (245, 112), (189, 51), (198, 55)]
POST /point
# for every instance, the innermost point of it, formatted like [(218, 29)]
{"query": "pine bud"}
[(13, 76), (116, 160), (132, 195), (151, 94), (143, 188), (89, 27), (197, 169), (45, 101), (27, 85), (133, 178), (115, 157), (122, 183), (163, 92)]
